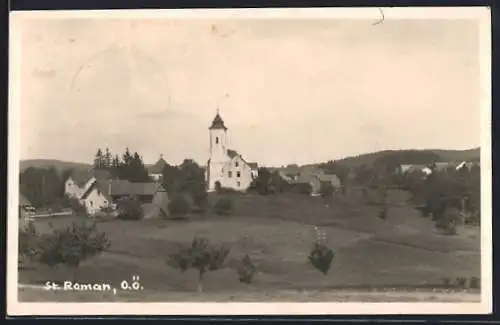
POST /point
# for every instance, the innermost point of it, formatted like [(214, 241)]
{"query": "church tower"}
[(218, 153)]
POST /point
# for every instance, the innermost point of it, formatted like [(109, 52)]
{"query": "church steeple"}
[(218, 122)]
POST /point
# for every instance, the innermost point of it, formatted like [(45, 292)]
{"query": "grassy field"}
[(403, 252)]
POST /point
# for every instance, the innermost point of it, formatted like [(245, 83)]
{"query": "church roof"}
[(157, 168), (218, 123)]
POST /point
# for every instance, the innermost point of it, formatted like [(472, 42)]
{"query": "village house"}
[(155, 171), (315, 177), (104, 194), (80, 180), (226, 168)]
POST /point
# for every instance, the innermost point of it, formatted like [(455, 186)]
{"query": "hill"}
[(440, 155), (46, 163)]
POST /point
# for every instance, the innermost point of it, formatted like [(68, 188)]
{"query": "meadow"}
[(402, 253)]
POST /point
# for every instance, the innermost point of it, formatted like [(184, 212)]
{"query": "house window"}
[(98, 192), (229, 174), (238, 184), (238, 174), (216, 140), (236, 164), (91, 203)]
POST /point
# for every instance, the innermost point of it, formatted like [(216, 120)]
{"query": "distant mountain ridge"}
[(60, 165), (442, 155), (353, 161)]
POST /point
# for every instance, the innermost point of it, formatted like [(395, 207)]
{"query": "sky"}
[(289, 90)]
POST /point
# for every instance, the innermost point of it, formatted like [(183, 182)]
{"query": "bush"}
[(475, 282), (73, 245), (129, 208), (448, 221), (321, 257), (246, 270), (303, 188), (200, 256), (29, 242), (76, 207), (224, 206), (326, 189), (462, 282), (179, 206)]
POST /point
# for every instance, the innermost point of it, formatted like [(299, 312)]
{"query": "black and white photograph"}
[(250, 161)]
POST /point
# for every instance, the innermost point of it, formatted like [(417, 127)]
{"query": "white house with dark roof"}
[(226, 168), (105, 193), (80, 180)]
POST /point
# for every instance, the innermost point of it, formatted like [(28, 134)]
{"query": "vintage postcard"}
[(250, 161)]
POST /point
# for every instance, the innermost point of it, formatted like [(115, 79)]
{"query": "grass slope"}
[(277, 232)]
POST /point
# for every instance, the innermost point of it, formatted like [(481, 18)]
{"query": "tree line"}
[(43, 186), (129, 166)]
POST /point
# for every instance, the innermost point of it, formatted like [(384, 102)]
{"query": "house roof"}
[(331, 178), (253, 165), (101, 185), (23, 201), (110, 188), (218, 123), (233, 153), (121, 187), (157, 168), (82, 176)]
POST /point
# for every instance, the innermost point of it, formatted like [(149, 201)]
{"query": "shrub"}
[(321, 257), (303, 188), (326, 189), (129, 208), (462, 282), (179, 206), (475, 282), (246, 270), (76, 207), (29, 242), (200, 197), (447, 282), (200, 256), (73, 245), (448, 221), (224, 206)]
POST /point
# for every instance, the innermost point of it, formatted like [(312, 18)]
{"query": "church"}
[(226, 168)]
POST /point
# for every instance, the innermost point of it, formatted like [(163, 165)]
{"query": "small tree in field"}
[(321, 256), (200, 256), (246, 270), (73, 245)]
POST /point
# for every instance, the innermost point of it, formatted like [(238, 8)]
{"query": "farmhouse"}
[(411, 168), (105, 193), (226, 168), (314, 177), (155, 171), (80, 180)]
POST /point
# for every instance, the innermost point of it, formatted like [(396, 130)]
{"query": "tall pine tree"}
[(99, 160)]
